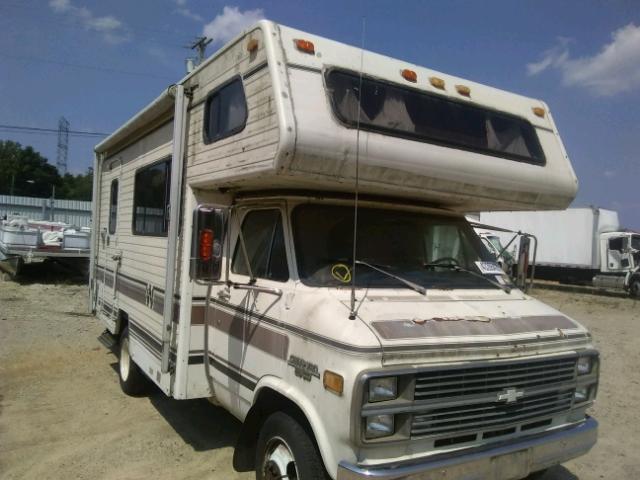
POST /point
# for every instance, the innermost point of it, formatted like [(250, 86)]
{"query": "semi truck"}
[(282, 231), (579, 245)]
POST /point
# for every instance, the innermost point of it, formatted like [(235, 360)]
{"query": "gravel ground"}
[(62, 414)]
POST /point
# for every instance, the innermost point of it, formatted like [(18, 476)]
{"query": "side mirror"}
[(206, 248)]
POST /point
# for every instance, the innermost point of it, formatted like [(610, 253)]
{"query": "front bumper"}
[(503, 462)]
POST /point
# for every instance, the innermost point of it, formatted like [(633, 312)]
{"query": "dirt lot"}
[(62, 414)]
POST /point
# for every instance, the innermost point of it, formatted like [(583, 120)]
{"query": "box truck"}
[(579, 245), (282, 231)]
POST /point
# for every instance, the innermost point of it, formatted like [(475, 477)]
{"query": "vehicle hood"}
[(463, 323)]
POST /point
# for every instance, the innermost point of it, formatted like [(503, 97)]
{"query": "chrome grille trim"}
[(465, 399)]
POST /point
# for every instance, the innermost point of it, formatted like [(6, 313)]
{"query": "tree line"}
[(25, 172)]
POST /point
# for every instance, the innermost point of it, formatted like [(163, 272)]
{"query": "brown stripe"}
[(241, 327), (406, 329)]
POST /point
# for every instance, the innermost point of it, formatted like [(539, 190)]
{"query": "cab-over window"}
[(225, 111)]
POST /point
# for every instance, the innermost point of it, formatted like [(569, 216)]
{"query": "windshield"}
[(635, 242), (418, 247)]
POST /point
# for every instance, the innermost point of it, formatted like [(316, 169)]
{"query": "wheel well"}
[(269, 401)]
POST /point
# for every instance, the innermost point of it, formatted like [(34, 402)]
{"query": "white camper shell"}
[(219, 210)]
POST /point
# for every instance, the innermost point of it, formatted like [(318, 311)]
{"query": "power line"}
[(50, 131), (86, 67)]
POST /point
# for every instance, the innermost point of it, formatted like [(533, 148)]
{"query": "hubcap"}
[(279, 462), (125, 360)]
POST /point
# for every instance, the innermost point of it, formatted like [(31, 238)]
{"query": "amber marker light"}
[(409, 75), (538, 111), (252, 45), (437, 82), (333, 382), (463, 90), (305, 46)]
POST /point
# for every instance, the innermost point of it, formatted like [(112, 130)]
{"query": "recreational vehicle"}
[(224, 264)]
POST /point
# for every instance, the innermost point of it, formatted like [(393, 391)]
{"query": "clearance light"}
[(463, 90), (437, 82), (206, 244), (305, 46), (333, 382), (539, 111), (252, 45), (409, 75)]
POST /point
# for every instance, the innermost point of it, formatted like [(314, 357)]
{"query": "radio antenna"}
[(352, 314)]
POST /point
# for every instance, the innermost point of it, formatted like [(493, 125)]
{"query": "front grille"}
[(467, 399)]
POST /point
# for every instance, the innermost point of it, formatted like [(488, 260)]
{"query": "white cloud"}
[(112, 30), (609, 173), (230, 22), (615, 69)]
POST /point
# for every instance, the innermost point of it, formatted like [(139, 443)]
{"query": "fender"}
[(331, 451)]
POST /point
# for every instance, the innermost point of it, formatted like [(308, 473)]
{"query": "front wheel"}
[(132, 380), (634, 288), (286, 450)]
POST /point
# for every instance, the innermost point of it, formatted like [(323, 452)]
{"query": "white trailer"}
[(579, 245), (223, 264)]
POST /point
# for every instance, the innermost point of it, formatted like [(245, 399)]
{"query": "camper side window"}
[(225, 111), (151, 199), (264, 243), (113, 207)]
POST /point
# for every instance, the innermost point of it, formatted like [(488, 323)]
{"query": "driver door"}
[(259, 273)]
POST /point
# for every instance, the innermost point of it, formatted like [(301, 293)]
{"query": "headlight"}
[(379, 426), (383, 388), (584, 365), (581, 394)]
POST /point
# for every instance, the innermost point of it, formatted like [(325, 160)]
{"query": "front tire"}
[(634, 288), (286, 450), (132, 380)]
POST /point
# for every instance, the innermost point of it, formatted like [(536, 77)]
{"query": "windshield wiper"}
[(414, 286), (458, 268)]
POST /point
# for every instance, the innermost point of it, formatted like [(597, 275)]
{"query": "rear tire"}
[(132, 381), (286, 448)]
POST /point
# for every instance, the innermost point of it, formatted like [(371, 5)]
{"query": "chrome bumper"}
[(504, 462)]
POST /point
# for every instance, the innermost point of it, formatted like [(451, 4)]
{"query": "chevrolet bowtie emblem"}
[(510, 395)]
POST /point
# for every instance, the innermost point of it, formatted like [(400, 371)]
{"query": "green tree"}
[(77, 187), (23, 171)]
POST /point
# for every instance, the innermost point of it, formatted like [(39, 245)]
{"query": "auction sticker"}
[(489, 268)]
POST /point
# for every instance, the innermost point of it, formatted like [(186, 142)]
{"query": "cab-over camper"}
[(223, 264)]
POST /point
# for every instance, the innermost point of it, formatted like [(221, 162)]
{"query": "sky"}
[(97, 63)]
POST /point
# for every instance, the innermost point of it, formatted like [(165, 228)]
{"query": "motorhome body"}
[(222, 264)]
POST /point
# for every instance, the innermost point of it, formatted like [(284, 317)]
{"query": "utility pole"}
[(200, 45), (63, 145)]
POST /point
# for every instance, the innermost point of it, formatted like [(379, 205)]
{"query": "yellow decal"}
[(341, 272)]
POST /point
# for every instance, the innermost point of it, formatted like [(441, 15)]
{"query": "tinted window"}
[(387, 108), (616, 243), (113, 206), (264, 242), (151, 199), (225, 112), (420, 247)]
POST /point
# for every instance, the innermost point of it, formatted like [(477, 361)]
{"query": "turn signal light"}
[(539, 111), (333, 382), (463, 90), (437, 82), (206, 244), (305, 46), (410, 75)]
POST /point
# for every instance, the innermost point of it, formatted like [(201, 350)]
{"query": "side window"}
[(225, 111), (151, 199), (264, 242), (616, 243), (113, 207)]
